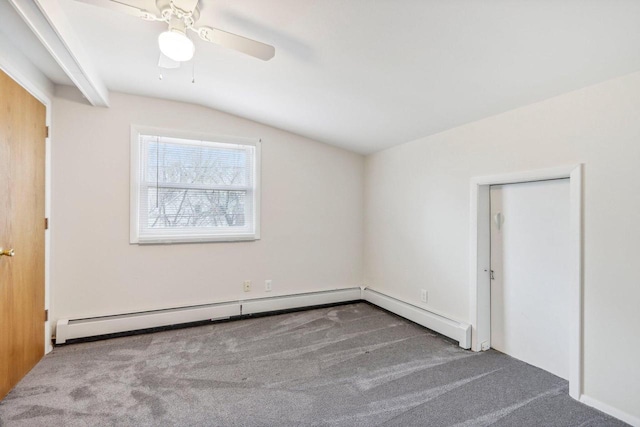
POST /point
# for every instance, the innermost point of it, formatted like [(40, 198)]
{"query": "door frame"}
[(480, 260), (26, 80)]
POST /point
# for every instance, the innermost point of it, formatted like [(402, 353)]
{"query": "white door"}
[(531, 275)]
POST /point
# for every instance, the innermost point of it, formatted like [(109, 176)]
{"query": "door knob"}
[(7, 252)]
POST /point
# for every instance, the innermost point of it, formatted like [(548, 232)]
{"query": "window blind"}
[(195, 188)]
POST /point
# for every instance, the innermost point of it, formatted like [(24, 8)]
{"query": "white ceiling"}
[(370, 74)]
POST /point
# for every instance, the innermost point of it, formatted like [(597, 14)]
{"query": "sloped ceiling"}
[(369, 74)]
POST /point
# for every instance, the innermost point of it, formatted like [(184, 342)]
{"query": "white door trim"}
[(479, 257)]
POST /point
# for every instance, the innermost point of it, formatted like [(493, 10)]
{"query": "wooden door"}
[(22, 196)]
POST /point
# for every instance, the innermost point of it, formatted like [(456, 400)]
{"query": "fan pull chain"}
[(193, 68), (158, 170)]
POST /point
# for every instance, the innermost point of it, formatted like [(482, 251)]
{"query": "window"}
[(193, 189)]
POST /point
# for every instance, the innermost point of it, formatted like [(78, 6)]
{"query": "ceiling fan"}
[(182, 15)]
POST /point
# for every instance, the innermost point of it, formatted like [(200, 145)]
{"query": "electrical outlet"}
[(424, 295), (247, 286), (267, 285)]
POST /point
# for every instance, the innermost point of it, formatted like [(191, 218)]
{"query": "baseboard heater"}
[(460, 332), (288, 302), (67, 329)]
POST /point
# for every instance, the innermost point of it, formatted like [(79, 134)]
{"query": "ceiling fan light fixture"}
[(176, 45)]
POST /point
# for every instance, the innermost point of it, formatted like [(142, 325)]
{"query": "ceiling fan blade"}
[(236, 42), (123, 7), (165, 62)]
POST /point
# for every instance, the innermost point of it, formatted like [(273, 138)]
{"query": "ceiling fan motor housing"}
[(178, 25), (171, 12)]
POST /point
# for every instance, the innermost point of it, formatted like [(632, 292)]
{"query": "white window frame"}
[(196, 234)]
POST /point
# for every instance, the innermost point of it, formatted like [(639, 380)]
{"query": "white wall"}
[(311, 228), (417, 216)]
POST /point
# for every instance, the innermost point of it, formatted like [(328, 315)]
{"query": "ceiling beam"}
[(49, 23), (21, 69)]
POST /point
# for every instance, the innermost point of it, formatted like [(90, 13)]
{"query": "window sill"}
[(168, 240)]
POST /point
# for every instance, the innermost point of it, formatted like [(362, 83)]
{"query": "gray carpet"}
[(352, 365)]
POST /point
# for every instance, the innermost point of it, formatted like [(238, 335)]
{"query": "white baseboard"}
[(610, 410), (287, 302), (67, 329), (460, 332)]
